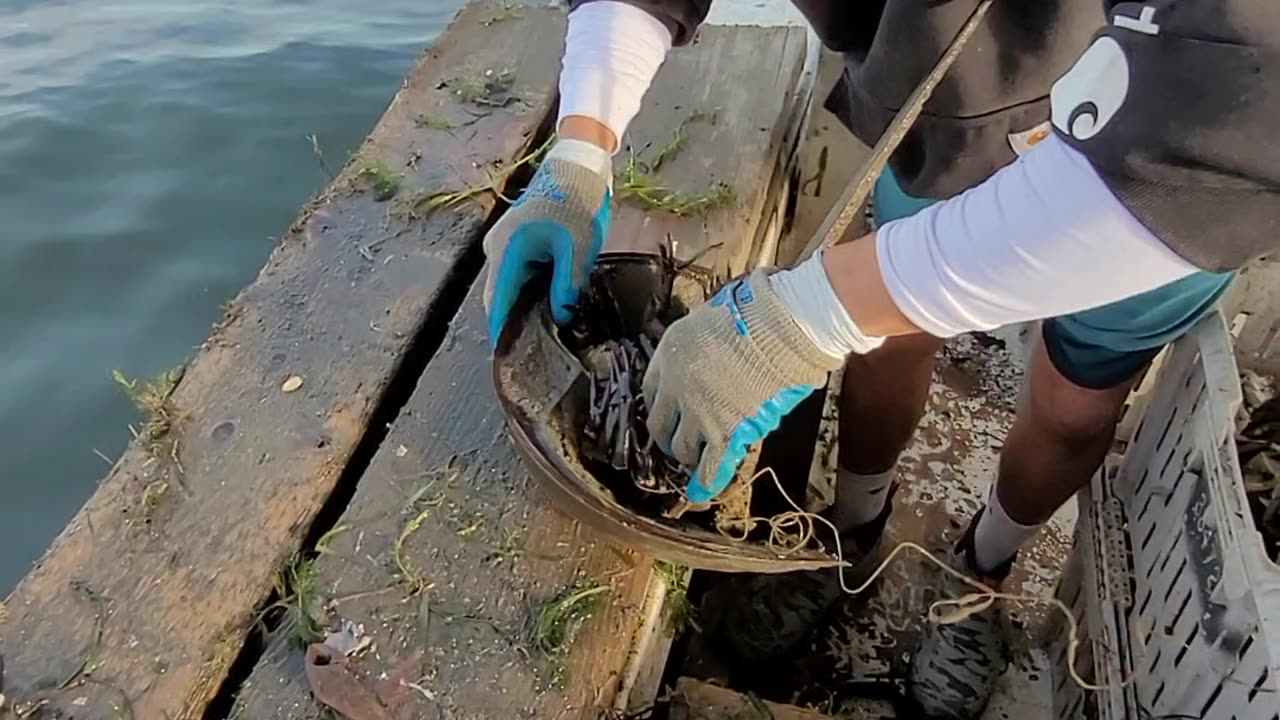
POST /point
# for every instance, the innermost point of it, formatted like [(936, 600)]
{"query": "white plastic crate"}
[(1096, 586), (1169, 577)]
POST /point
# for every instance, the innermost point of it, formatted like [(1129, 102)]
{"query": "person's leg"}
[(1058, 440), (1059, 437), (882, 398), (1082, 369)]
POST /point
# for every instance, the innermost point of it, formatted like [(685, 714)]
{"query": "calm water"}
[(149, 154)]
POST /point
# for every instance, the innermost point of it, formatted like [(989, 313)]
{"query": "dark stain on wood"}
[(696, 700)]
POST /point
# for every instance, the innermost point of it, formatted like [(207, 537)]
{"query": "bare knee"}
[(1072, 415)]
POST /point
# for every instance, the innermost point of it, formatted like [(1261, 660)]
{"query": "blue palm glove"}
[(561, 219), (723, 377)]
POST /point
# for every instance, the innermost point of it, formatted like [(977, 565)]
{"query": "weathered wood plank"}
[(696, 700), (479, 548), (830, 156), (741, 79), (456, 619), (181, 571)]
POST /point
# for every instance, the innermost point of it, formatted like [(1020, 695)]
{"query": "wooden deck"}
[(334, 454)]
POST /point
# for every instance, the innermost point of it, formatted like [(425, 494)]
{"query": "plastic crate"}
[(1096, 586), (1169, 577)]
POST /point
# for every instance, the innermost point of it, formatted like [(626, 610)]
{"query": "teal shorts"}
[(1108, 345)]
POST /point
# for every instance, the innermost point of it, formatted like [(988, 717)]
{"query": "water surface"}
[(150, 154)]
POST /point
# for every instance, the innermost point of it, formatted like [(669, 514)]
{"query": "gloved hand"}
[(562, 219), (724, 375)]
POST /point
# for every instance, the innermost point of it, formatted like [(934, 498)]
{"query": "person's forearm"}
[(1042, 237), (612, 51)]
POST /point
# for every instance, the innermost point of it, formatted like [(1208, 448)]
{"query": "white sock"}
[(998, 536), (860, 498)]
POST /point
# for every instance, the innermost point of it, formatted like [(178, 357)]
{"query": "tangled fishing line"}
[(792, 530)]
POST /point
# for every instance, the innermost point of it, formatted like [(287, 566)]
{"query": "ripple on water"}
[(148, 154)]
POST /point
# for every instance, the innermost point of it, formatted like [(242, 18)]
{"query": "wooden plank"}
[(696, 700), (741, 78), (485, 556), (172, 580), (480, 550), (651, 644), (830, 156)]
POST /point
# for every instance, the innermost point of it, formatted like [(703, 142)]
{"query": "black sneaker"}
[(769, 615), (956, 666)]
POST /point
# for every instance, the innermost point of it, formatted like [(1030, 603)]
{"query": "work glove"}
[(562, 219), (724, 375)]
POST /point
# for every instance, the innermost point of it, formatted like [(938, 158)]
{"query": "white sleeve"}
[(612, 51), (1042, 237)]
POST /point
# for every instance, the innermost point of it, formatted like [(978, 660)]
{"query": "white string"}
[(962, 607)]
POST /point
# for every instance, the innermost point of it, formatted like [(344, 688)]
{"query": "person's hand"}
[(562, 219), (724, 375)]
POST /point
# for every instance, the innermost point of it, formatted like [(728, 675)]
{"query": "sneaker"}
[(956, 666), (781, 611)]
